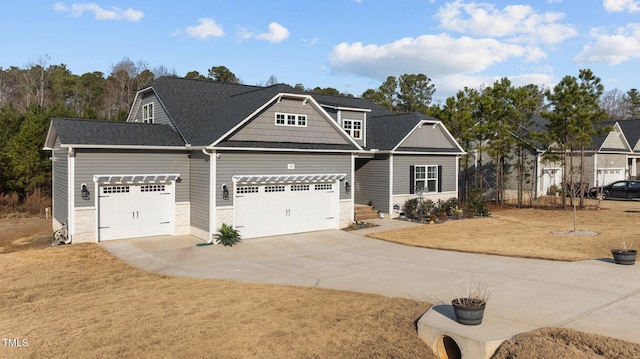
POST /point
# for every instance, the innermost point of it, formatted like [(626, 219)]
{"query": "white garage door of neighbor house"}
[(267, 210), (610, 175), (127, 211)]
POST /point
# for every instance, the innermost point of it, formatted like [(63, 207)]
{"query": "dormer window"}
[(353, 128), (291, 119), (147, 113)]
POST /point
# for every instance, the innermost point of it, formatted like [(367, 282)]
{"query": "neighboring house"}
[(606, 159), (631, 130), (541, 175), (612, 156), (194, 154)]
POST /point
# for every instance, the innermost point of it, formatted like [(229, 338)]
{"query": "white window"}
[(353, 128), (291, 119), (147, 113), (426, 177)]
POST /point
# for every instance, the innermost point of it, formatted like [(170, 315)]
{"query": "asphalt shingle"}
[(110, 133)]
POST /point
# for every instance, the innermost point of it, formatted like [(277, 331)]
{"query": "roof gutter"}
[(127, 147)]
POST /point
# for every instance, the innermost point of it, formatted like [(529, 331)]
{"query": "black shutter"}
[(412, 179), (439, 178)]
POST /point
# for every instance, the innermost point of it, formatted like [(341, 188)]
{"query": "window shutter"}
[(439, 178), (412, 179)]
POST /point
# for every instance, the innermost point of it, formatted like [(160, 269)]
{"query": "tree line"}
[(497, 119)]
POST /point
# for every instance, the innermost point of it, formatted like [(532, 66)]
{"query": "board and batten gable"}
[(90, 162), (200, 175), (60, 183), (241, 163), (402, 165), (372, 182), (360, 116), (614, 141), (160, 116), (263, 128), (429, 136)]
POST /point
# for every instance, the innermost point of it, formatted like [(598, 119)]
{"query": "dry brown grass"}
[(528, 232), (80, 301), (565, 343)]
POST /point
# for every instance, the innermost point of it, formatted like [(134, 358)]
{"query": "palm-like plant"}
[(227, 236)]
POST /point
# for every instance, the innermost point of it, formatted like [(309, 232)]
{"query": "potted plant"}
[(470, 301), (624, 255)]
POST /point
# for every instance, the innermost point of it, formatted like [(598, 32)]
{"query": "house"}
[(194, 154), (612, 156), (631, 131)]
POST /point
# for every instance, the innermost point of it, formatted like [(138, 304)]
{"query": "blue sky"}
[(350, 45)]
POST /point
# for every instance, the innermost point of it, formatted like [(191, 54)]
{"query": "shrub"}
[(227, 235), (447, 208), (418, 210), (475, 204)]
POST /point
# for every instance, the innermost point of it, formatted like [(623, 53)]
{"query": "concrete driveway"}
[(593, 296)]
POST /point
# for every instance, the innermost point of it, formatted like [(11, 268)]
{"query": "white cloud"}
[(516, 23), (206, 29), (277, 33), (612, 48), (621, 5), (436, 55), (99, 13)]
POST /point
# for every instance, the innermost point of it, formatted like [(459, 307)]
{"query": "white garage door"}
[(610, 175), (267, 210), (127, 211)]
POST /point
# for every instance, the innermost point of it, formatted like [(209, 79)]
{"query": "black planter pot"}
[(468, 314), (625, 257)]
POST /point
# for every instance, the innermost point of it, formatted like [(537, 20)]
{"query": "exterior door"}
[(127, 211), (269, 210)]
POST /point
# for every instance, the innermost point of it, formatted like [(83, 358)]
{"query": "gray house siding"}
[(200, 189), (60, 183), (317, 130), (160, 116), (401, 171), (372, 182), (355, 116), (429, 137), (250, 163), (102, 162), (613, 141)]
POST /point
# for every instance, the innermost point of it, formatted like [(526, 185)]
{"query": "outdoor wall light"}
[(225, 192), (84, 192), (347, 187), (179, 180)]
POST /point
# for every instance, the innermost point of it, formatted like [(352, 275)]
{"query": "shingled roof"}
[(385, 132), (631, 130), (204, 110), (77, 132)]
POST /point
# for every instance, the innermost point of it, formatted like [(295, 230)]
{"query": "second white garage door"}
[(267, 210)]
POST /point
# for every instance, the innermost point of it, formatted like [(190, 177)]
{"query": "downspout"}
[(458, 177), (212, 195), (353, 188), (390, 189), (71, 187)]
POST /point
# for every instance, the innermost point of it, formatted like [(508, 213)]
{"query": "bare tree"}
[(614, 102)]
